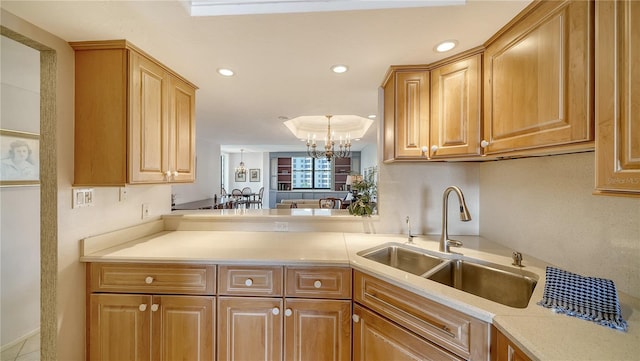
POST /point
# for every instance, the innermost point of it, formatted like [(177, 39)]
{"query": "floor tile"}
[(11, 353)]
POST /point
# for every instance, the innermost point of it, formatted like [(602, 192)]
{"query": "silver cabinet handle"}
[(154, 307), (355, 318), (149, 280), (142, 307), (484, 143)]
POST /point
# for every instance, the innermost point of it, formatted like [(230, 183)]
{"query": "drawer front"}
[(250, 281), (455, 331), (152, 278), (318, 282)]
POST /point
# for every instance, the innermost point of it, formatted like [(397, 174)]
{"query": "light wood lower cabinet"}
[(447, 329), (505, 350), (145, 327), (249, 328), (256, 321), (376, 338), (150, 312)]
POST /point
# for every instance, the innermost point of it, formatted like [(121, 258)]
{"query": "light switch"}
[(82, 197)]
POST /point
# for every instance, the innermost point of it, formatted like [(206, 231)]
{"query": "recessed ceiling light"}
[(225, 72), (445, 46), (339, 69), (372, 116)]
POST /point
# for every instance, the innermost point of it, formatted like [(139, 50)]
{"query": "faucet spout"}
[(465, 216)]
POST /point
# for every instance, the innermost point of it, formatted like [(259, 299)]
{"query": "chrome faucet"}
[(445, 242)]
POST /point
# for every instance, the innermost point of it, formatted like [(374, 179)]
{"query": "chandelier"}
[(241, 169), (343, 151)]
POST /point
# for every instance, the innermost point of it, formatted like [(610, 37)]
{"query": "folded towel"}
[(589, 298)]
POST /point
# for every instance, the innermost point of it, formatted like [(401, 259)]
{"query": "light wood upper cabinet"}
[(134, 118), (538, 80), (406, 113), (456, 108), (618, 97)]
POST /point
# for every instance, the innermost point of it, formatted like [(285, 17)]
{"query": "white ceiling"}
[(281, 61)]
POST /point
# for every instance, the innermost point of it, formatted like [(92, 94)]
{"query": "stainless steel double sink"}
[(510, 286)]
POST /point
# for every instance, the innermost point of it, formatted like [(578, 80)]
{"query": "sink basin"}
[(508, 286), (403, 258)]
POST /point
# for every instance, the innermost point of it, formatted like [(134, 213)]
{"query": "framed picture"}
[(20, 158), (241, 177), (254, 175)]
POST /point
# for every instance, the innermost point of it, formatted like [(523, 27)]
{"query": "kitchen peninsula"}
[(190, 239)]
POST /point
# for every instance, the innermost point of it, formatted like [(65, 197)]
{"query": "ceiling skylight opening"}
[(445, 46), (225, 72), (339, 69)]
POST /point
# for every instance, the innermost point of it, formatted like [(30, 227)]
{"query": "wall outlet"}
[(145, 210), (282, 227), (123, 194)]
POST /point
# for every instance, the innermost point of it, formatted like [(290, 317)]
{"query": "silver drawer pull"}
[(148, 280), (248, 282), (317, 284), (431, 322)]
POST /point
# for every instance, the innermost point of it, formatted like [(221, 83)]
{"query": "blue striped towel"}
[(588, 298)]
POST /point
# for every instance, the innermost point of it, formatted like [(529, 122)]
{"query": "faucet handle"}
[(517, 259), (454, 243)]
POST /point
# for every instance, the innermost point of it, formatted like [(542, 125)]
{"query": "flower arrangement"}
[(364, 196)]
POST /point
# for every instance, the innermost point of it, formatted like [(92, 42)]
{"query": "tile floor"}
[(27, 350)]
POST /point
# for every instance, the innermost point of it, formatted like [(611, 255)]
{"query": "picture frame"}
[(241, 177), (254, 175), (19, 158)]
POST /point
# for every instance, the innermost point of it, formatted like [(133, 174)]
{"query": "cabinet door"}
[(538, 87), (455, 109), (406, 114), (412, 113), (119, 327), (183, 328), (317, 330), (148, 152), (182, 144), (375, 338), (618, 97), (249, 329), (507, 350)]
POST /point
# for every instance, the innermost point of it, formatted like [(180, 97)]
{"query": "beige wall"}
[(544, 207), (74, 224)]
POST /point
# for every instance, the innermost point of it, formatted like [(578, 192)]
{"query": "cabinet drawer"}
[(141, 278), (318, 282), (250, 281), (453, 330)]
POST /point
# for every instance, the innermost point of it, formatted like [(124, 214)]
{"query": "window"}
[(310, 173)]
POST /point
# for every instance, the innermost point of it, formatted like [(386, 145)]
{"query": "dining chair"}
[(236, 194), (258, 201), (330, 202)]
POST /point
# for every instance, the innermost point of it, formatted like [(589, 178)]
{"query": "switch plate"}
[(145, 210), (82, 197)]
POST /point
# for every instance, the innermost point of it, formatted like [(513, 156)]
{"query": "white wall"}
[(19, 206), (207, 174), (545, 207), (251, 161)]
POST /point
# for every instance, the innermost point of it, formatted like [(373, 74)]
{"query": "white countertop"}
[(541, 333)]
